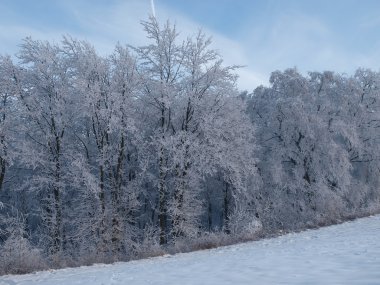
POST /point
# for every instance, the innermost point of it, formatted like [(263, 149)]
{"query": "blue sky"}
[(264, 36)]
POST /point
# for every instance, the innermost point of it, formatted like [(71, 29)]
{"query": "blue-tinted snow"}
[(344, 254)]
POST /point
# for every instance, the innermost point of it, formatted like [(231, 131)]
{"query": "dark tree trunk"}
[(226, 209)]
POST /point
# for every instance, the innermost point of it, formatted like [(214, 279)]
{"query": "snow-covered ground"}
[(344, 254)]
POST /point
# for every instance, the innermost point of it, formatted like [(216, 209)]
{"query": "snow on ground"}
[(344, 254)]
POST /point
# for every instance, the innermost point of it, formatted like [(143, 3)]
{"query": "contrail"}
[(153, 9)]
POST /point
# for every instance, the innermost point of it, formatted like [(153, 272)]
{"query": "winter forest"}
[(153, 149)]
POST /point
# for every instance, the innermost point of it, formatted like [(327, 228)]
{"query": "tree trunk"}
[(57, 230), (102, 224), (162, 201), (116, 203), (209, 212), (226, 209), (162, 216), (2, 172)]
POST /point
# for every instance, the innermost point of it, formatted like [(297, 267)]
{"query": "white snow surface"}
[(348, 253)]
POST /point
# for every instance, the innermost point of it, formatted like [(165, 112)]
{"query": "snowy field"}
[(344, 254)]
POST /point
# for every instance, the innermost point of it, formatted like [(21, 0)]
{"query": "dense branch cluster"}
[(153, 148)]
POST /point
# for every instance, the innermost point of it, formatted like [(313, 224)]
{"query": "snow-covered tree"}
[(44, 91), (152, 148), (7, 114), (197, 123), (107, 140)]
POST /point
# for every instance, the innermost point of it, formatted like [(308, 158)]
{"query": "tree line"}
[(154, 148)]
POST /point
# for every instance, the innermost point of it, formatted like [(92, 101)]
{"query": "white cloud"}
[(122, 23), (232, 51), (105, 25), (289, 40), (13, 35), (304, 41)]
